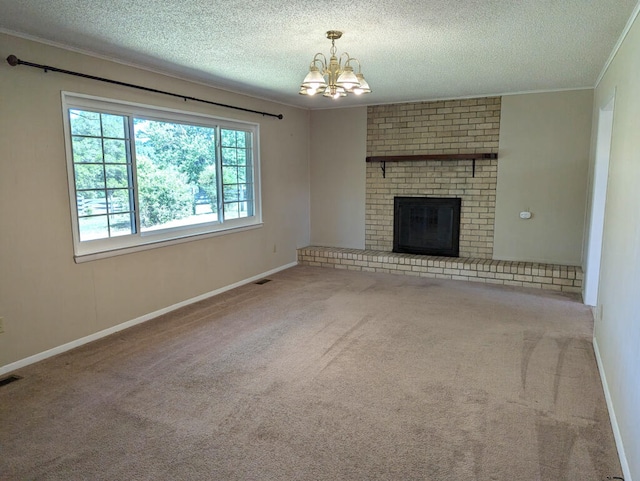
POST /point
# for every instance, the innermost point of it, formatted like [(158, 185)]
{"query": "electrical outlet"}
[(1, 325)]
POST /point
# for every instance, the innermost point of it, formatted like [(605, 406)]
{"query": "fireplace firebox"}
[(427, 225)]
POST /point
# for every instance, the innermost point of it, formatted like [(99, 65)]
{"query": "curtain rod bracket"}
[(14, 61)]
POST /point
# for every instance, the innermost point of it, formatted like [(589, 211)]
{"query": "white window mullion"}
[(104, 173), (219, 179), (134, 174)]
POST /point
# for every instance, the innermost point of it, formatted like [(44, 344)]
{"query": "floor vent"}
[(262, 281), (9, 379)]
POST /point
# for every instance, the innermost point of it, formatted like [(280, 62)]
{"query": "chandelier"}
[(334, 79)]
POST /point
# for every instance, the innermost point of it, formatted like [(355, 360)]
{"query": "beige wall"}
[(45, 298), (542, 167), (338, 151), (617, 328)]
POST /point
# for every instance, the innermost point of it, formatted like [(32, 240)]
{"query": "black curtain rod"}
[(14, 61)]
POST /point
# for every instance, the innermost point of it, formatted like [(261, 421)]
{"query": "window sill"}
[(81, 258)]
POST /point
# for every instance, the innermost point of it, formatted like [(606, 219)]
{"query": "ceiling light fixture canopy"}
[(336, 78)]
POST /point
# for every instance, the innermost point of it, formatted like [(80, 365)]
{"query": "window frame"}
[(111, 246)]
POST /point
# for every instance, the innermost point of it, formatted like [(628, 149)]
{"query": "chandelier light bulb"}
[(363, 87), (347, 79)]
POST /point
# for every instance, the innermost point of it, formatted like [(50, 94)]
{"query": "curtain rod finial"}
[(13, 60)]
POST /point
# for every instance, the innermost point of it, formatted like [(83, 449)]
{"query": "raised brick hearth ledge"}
[(509, 273)]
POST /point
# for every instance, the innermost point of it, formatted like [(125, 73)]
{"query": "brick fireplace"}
[(444, 127)]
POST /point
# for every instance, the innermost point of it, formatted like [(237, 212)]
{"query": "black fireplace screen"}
[(427, 225)]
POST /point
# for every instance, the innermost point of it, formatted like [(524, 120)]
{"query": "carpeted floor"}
[(323, 374)]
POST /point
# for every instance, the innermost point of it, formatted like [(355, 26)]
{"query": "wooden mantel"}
[(383, 159)]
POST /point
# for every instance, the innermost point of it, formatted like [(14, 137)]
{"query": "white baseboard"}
[(626, 473), (139, 320)]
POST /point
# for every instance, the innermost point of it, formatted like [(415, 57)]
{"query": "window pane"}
[(242, 192), (228, 138), (117, 176), (229, 156), (176, 169), (84, 123), (235, 138), (89, 176), (121, 224), (87, 149), (99, 163), (114, 126), (241, 156), (231, 210), (91, 202), (119, 201), (242, 174), (236, 174), (115, 151), (98, 205), (243, 209), (230, 193), (236, 210), (92, 228), (230, 175)]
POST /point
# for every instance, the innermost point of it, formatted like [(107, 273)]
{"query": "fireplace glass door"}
[(427, 225)]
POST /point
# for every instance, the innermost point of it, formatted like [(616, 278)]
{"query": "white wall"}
[(617, 326), (45, 298), (338, 170), (543, 163)]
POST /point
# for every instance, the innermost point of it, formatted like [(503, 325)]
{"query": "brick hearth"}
[(523, 274)]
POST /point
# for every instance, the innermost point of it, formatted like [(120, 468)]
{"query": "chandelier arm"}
[(346, 62), (353, 59), (319, 57)]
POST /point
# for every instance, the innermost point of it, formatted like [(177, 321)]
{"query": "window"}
[(139, 175)]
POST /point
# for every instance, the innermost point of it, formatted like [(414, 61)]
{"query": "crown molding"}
[(616, 47)]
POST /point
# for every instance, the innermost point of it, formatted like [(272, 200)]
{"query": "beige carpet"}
[(324, 374)]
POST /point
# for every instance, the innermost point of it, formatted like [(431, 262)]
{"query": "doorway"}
[(598, 202)]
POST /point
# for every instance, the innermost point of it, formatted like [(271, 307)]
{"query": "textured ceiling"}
[(409, 49)]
